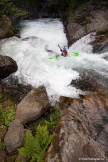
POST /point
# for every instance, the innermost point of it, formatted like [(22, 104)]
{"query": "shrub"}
[(7, 117), (36, 146)]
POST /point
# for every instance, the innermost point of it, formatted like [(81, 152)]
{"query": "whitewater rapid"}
[(38, 40)]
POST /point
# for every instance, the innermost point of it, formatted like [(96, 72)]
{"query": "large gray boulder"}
[(14, 137), (7, 66), (33, 105)]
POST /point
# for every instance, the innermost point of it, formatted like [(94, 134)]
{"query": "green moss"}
[(2, 145), (1, 97), (7, 110), (82, 7), (85, 28), (7, 117), (71, 17), (87, 20)]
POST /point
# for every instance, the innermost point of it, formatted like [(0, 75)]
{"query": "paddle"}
[(74, 53)]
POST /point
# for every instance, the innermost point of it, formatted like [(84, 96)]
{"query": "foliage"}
[(36, 146), (85, 28), (1, 145), (51, 120), (8, 7), (12, 6), (73, 4), (1, 96), (7, 109), (7, 117), (54, 120)]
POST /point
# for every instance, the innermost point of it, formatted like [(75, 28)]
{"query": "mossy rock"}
[(5, 26)]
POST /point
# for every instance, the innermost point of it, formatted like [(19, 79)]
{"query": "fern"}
[(36, 146)]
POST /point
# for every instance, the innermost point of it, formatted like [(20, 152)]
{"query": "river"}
[(38, 41)]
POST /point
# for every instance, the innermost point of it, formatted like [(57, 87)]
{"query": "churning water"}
[(39, 40)]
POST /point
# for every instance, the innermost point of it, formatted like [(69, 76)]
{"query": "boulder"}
[(33, 105), (100, 46), (83, 131), (14, 137), (7, 66), (83, 22)]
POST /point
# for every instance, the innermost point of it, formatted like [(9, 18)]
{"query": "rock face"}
[(33, 105), (92, 17), (7, 66), (15, 136), (5, 26), (83, 131), (100, 45)]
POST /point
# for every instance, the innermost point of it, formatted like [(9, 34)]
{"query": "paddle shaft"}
[(59, 46)]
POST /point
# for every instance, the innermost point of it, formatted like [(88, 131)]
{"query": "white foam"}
[(56, 75)]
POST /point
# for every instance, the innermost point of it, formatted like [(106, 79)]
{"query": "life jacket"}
[(64, 52)]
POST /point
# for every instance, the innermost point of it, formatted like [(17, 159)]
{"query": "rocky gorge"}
[(82, 131)]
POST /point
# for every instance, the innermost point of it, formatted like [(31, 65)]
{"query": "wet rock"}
[(100, 45), (33, 105), (7, 66), (89, 81), (91, 18), (11, 86), (83, 130), (99, 21), (5, 26), (74, 31), (14, 137)]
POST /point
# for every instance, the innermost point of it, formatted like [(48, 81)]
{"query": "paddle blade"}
[(75, 53), (53, 57)]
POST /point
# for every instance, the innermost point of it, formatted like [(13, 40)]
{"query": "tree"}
[(8, 8)]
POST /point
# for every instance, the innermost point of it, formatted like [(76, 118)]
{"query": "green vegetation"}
[(87, 21), (8, 7), (85, 28), (83, 7), (52, 120), (17, 8), (7, 110), (2, 146), (74, 4), (36, 146), (7, 117)]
